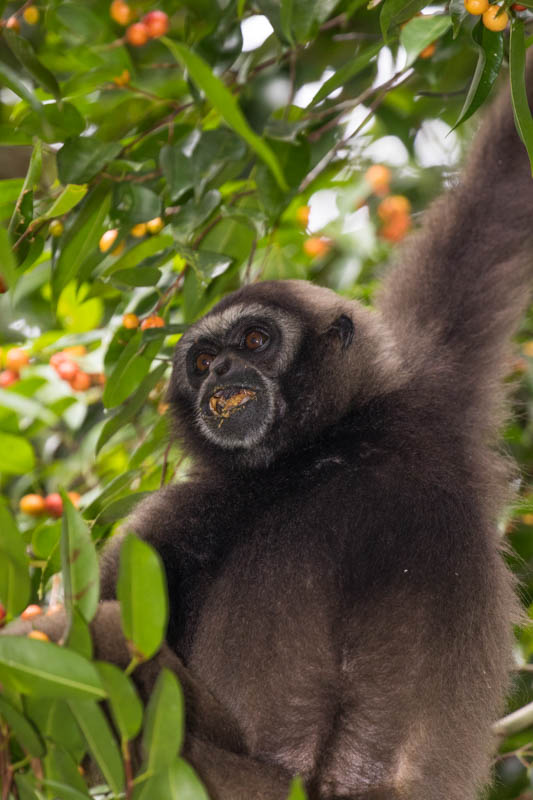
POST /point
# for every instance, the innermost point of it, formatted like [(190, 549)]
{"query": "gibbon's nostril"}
[(221, 367)]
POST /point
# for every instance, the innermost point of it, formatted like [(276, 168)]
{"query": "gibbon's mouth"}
[(227, 400)]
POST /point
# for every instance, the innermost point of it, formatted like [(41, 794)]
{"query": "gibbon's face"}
[(271, 366), (229, 365)]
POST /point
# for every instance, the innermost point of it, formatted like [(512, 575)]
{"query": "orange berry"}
[(317, 246), (67, 369), (396, 229), (120, 12), (39, 635), (476, 7), (152, 322), (75, 350), (137, 34), (428, 51), (74, 498), (53, 504), (17, 358), (7, 378), (31, 15), (12, 24), (56, 359), (31, 612), (495, 19), (55, 228), (123, 79), (157, 23), (302, 215), (32, 504), (107, 240), (392, 206), (155, 225), (139, 230), (80, 382), (130, 321), (378, 176)]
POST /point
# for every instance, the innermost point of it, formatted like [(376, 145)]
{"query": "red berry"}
[(157, 23), (518, 7), (3, 285), (8, 377), (53, 504), (67, 369), (3, 613)]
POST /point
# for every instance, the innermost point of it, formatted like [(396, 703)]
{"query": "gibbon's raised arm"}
[(455, 296)]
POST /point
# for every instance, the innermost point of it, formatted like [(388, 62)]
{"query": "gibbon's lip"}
[(226, 400)]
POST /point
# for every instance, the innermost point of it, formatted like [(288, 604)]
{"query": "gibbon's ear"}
[(343, 328)]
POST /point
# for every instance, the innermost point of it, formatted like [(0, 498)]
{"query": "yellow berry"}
[(302, 215), (39, 635), (130, 321), (139, 230), (155, 225), (494, 19), (107, 240), (55, 228), (31, 15), (378, 176)]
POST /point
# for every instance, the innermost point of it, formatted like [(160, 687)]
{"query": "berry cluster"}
[(35, 505), (152, 25), (65, 364)]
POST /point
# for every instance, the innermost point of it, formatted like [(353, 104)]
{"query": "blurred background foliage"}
[(155, 156)]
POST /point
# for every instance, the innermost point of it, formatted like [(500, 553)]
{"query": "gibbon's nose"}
[(221, 365)]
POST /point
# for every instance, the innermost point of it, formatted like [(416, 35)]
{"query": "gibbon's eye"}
[(254, 340), (203, 362)]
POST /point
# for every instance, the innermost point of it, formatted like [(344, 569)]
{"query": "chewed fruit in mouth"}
[(225, 402)]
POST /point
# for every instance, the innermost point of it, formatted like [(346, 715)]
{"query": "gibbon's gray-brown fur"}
[(339, 608)]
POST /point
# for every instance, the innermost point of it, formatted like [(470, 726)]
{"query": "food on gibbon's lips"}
[(225, 402), (495, 18)]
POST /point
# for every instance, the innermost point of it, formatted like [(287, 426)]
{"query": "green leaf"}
[(14, 575), (79, 636), (130, 369), (132, 406), (126, 706), (141, 589), (164, 723), (101, 742), (66, 792), (41, 668), (178, 170), (26, 405), (33, 176), (346, 72), (23, 729), (82, 237), (7, 259), (297, 791), (79, 563), (54, 720), (26, 55), (421, 32), (61, 771), (394, 12), (178, 781), (119, 509), (17, 455), (224, 102), (69, 197), (134, 203), (286, 18), (25, 784), (11, 80), (517, 65), (135, 255), (81, 158), (458, 14), (145, 276), (490, 56)]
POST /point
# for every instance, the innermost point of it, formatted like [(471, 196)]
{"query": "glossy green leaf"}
[(6, 258), (164, 723), (490, 56), (297, 791), (82, 238), (62, 770), (120, 509), (421, 32), (178, 170), (126, 706), (130, 369), (224, 102), (26, 734), (141, 589), (100, 740), (134, 256), (32, 178), (66, 792), (134, 203), (79, 563), (79, 636), (54, 720), (458, 14), (41, 668), (517, 65), (69, 197), (346, 72), (25, 53), (177, 781), (14, 575), (81, 158), (17, 455), (394, 12), (25, 784), (10, 79)]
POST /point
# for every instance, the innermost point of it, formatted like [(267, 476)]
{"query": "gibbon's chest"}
[(265, 646)]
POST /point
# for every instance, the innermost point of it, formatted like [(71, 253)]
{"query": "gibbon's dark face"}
[(270, 365)]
